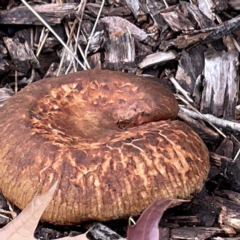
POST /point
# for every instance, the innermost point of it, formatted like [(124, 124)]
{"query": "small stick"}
[(211, 120)]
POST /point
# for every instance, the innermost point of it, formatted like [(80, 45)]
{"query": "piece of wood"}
[(137, 9), (120, 51), (158, 58), (21, 54), (190, 66), (234, 4), (52, 13), (5, 94), (194, 232), (220, 93), (231, 216), (231, 126)]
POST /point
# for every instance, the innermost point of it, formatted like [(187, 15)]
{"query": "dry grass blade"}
[(52, 31), (94, 27)]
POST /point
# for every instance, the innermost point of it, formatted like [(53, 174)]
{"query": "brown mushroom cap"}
[(84, 130)]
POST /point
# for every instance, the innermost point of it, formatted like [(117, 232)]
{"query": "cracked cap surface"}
[(106, 137)]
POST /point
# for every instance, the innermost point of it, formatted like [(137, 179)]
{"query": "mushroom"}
[(107, 137)]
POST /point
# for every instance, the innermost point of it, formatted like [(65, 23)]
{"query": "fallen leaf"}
[(146, 227), (119, 26), (23, 226)]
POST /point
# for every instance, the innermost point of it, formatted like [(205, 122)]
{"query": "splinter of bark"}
[(3, 216), (166, 4), (16, 83), (157, 58), (5, 94), (210, 3), (178, 87), (30, 80), (13, 215), (100, 231), (236, 156), (235, 42), (238, 152), (52, 31), (234, 4), (94, 27)]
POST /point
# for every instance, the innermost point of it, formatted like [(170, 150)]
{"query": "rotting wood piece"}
[(194, 232), (121, 52), (220, 94), (191, 64), (234, 4), (21, 54), (52, 14), (79, 129), (157, 58)]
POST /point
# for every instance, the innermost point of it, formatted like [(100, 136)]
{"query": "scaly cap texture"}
[(105, 137)]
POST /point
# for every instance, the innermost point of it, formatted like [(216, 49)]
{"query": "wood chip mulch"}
[(192, 47)]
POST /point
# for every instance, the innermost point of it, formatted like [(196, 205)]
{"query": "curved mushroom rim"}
[(83, 130)]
